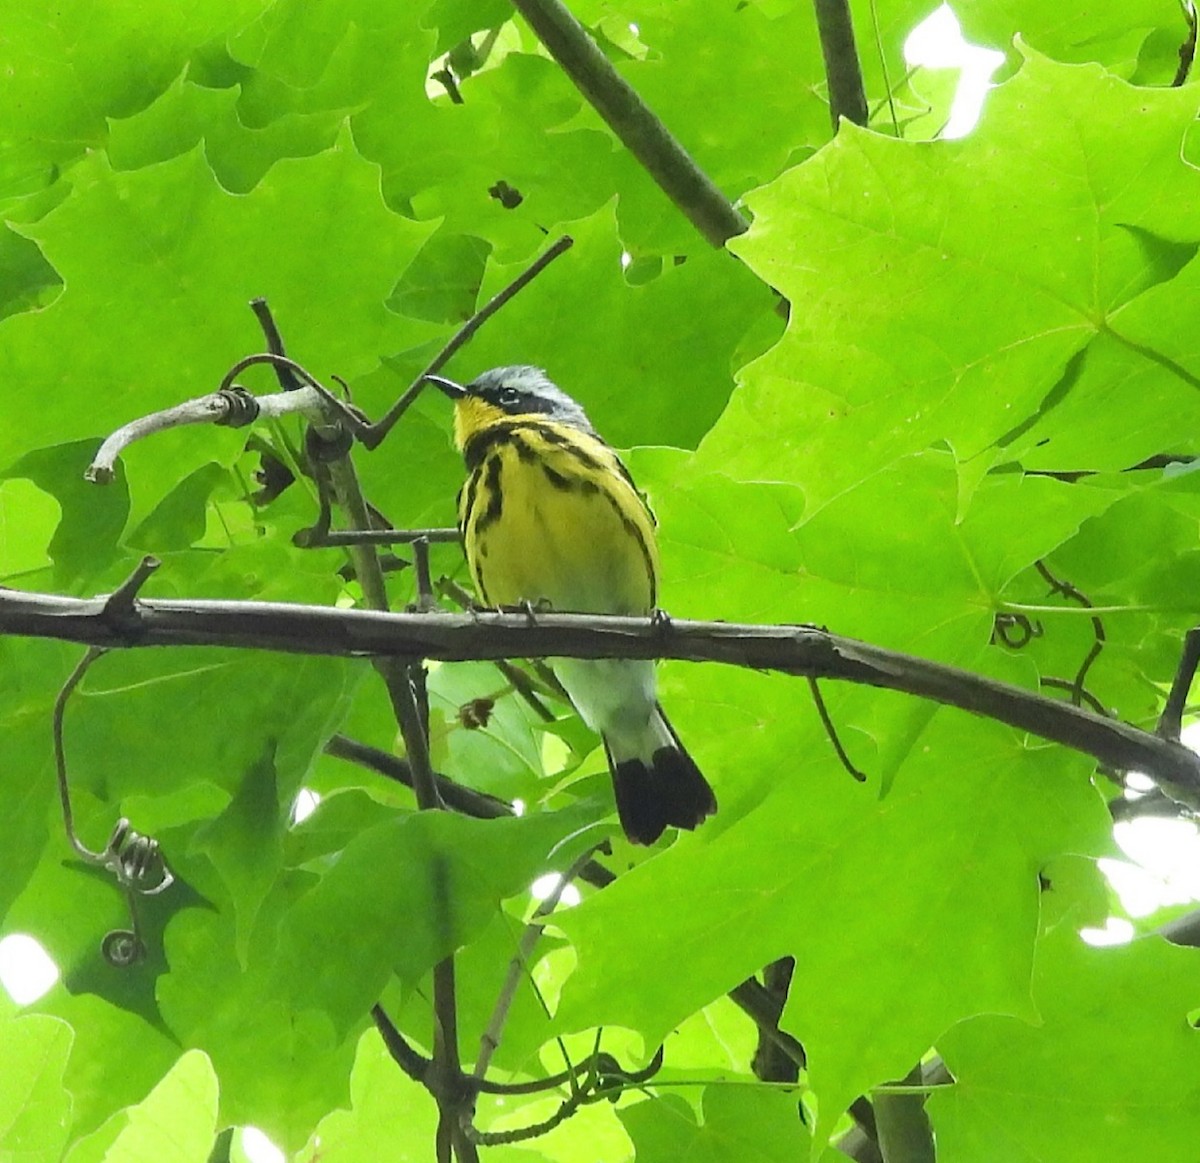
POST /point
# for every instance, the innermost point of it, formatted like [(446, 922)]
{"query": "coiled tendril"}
[(133, 860)]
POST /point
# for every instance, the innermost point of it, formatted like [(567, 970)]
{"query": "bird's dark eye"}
[(508, 397)]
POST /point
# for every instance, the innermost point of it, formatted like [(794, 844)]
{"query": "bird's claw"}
[(532, 609)]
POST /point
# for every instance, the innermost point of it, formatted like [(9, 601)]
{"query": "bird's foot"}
[(532, 609)]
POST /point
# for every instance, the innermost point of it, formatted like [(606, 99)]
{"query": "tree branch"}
[(1183, 930), (842, 70), (232, 407), (489, 1043), (1170, 722), (758, 1003), (1187, 50), (799, 650), (631, 119), (902, 1123), (461, 799), (333, 420), (415, 1065), (372, 436), (404, 680), (772, 1062)]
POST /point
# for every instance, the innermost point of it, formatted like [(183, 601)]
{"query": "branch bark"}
[(405, 683), (751, 997), (842, 70), (905, 1135), (631, 119), (230, 407), (799, 650)]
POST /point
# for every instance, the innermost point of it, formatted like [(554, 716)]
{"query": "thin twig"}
[(537, 1085), (218, 407), (519, 965), (571, 1076), (456, 797), (883, 68), (232, 404), (415, 1065), (425, 601), (524, 686), (1187, 50), (401, 680), (319, 529), (405, 687), (521, 682), (343, 537), (135, 862), (332, 406), (1170, 722), (763, 1008), (303, 393), (374, 435), (289, 381), (445, 77), (535, 1130), (461, 799), (119, 611), (416, 741), (119, 607), (1059, 586), (631, 119), (445, 1073), (328, 436), (1016, 631)]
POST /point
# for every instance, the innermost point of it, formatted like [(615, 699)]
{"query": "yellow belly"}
[(558, 538)]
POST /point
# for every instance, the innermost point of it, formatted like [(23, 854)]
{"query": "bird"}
[(551, 519)]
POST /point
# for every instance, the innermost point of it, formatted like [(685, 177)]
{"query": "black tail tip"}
[(670, 791)]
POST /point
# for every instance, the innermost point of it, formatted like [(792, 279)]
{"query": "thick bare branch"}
[(800, 650)]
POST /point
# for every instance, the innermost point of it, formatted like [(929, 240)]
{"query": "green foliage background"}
[(964, 315)]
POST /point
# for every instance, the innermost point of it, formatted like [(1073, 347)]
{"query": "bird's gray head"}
[(520, 390)]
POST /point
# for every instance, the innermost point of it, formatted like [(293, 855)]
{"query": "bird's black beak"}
[(453, 390)]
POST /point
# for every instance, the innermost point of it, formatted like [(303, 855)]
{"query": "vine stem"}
[(60, 757), (489, 1043)]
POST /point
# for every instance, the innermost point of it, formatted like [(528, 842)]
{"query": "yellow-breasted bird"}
[(550, 516)]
